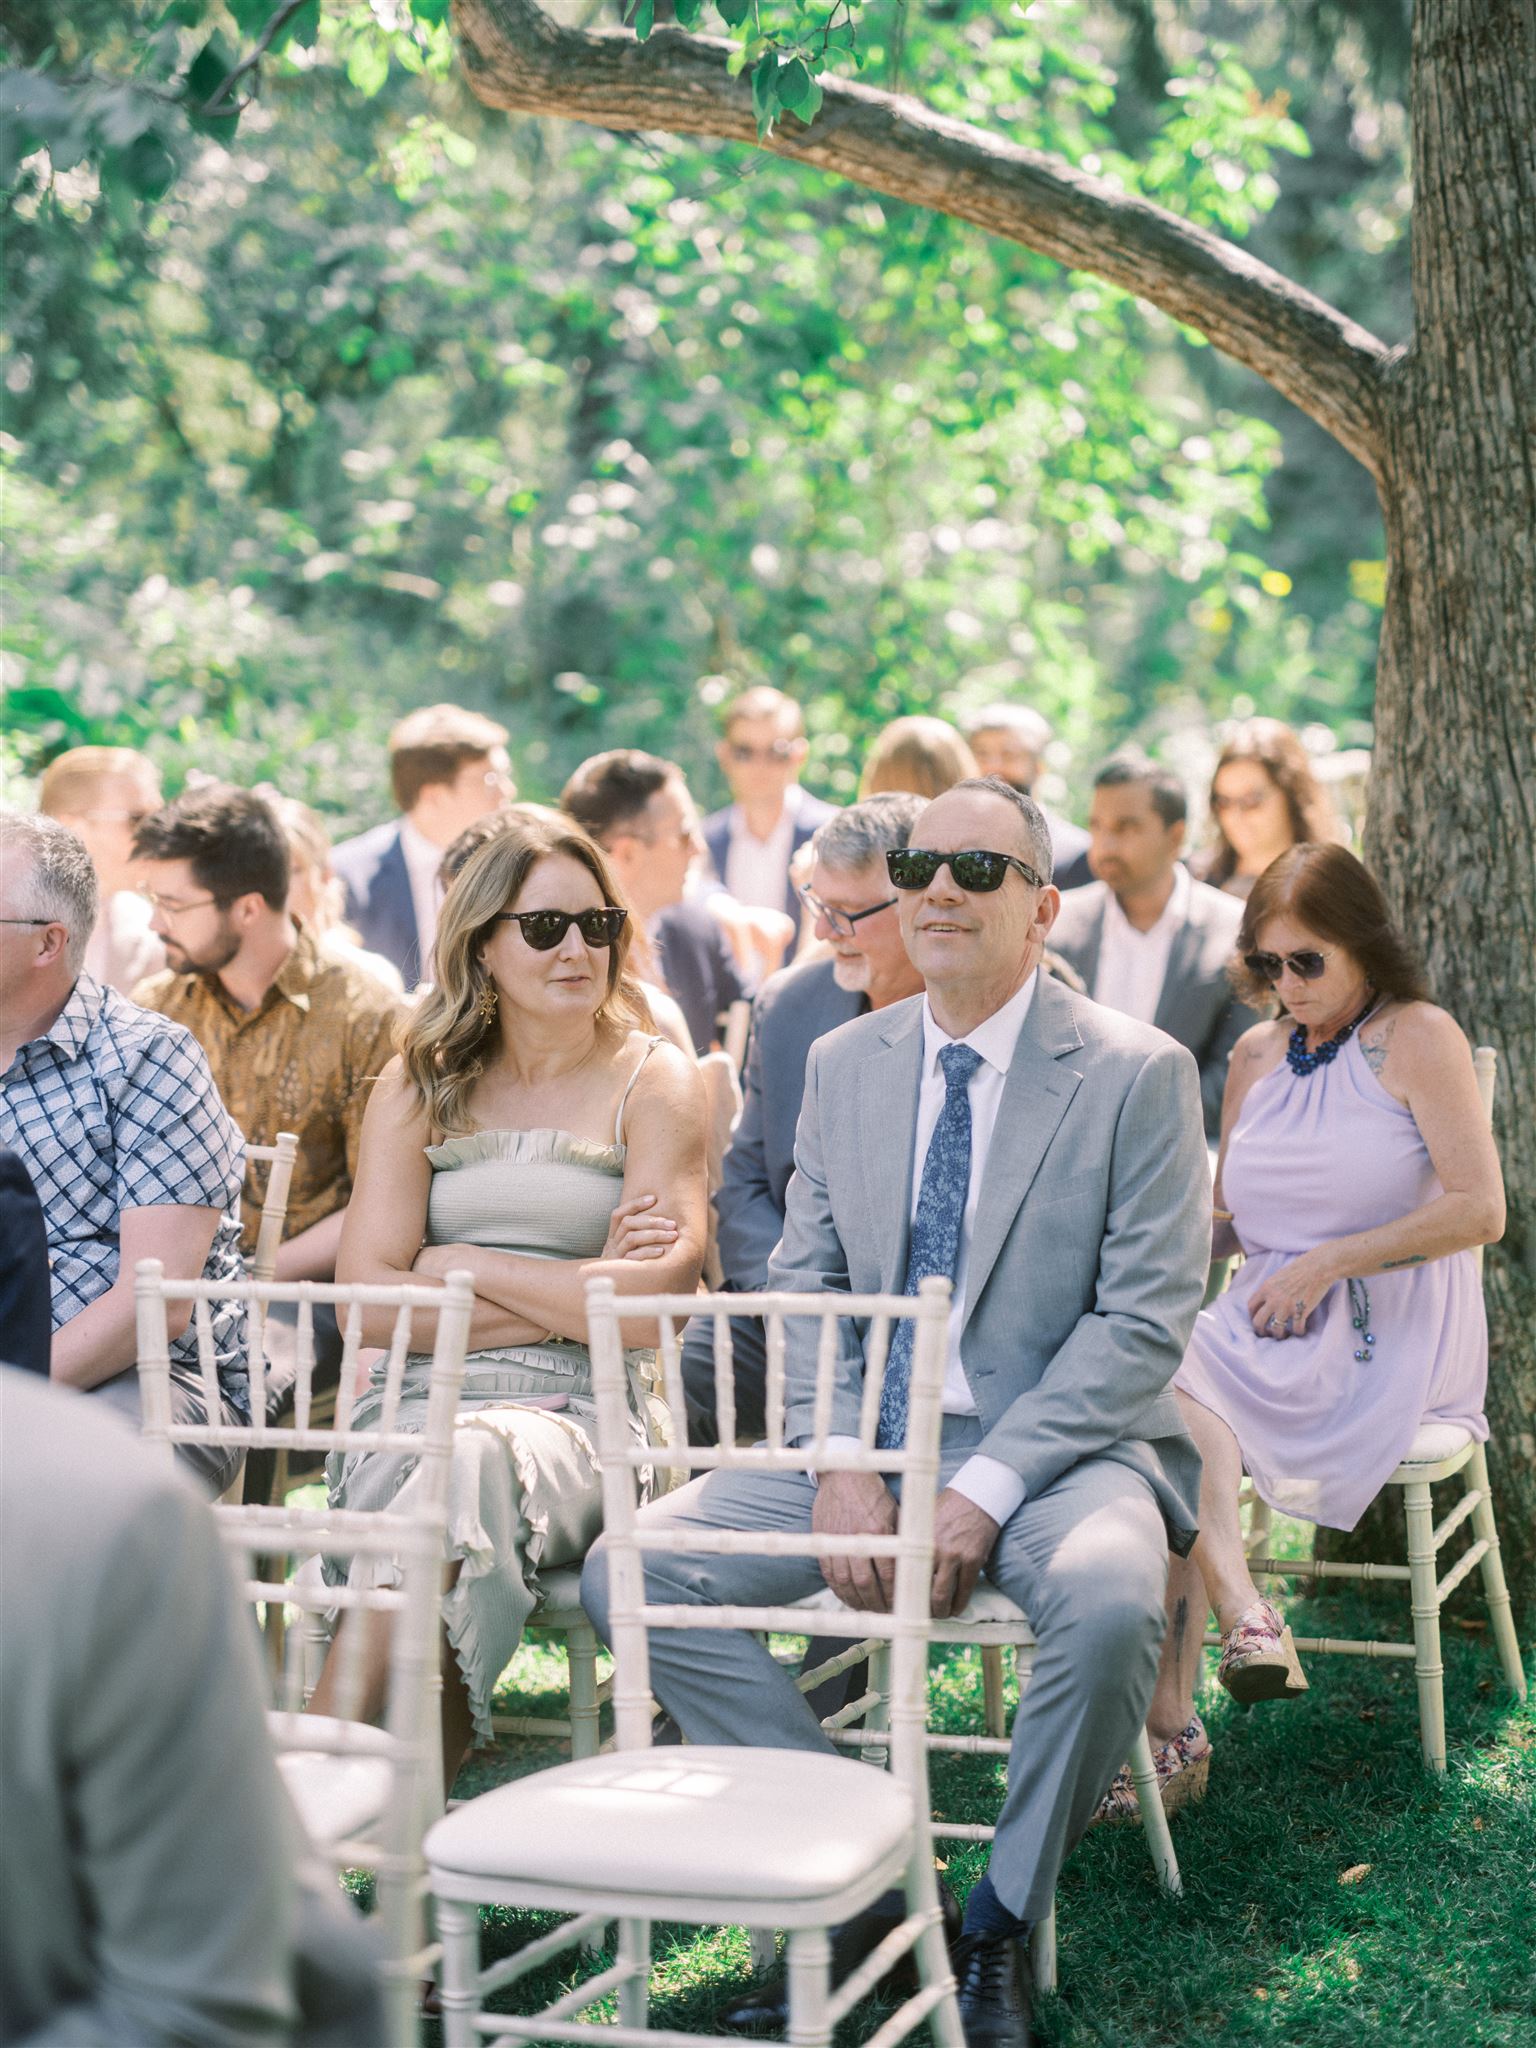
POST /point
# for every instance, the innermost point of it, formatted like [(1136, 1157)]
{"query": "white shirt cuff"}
[(834, 1443), (990, 1485)]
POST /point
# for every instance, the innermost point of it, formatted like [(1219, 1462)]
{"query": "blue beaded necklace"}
[(1302, 1062)]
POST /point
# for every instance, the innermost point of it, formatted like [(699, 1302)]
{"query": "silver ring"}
[(1273, 1323)]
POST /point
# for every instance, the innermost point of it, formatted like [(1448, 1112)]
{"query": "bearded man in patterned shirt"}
[(114, 1115)]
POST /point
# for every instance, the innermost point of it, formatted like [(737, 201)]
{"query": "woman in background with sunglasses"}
[(1264, 800), (536, 1132), (1356, 1173)]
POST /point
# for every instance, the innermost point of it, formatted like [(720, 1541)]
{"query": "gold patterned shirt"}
[(303, 1060)]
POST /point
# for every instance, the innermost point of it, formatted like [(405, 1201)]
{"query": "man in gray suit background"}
[(1147, 938), (851, 898), (1063, 1145)]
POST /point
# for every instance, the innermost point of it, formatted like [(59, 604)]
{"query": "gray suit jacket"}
[(150, 1881), (795, 1008), (1197, 1006), (1089, 1253)]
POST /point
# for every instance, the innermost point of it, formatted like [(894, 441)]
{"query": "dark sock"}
[(985, 1912)]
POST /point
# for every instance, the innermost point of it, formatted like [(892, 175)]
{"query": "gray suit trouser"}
[(1086, 1560)]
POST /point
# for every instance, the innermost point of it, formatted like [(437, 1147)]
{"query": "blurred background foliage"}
[(359, 396)]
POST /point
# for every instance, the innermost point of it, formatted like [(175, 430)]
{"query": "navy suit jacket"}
[(379, 906), (698, 967), (795, 1008), (26, 1299), (717, 837), (1069, 848)]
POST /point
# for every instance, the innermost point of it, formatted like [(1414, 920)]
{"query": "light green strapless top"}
[(545, 1193)]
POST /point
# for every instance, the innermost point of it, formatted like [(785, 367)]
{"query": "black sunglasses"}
[(1309, 966), (977, 872), (544, 929)]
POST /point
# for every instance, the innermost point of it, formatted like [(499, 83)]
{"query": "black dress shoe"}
[(765, 2008), (992, 1976)]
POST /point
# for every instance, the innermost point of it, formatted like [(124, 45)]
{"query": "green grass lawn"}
[(1335, 1893)]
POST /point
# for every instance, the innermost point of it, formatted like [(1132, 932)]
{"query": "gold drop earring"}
[(488, 1001)]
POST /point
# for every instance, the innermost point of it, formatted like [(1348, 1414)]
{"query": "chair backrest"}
[(394, 1558), (274, 1206), (629, 1537), (1485, 1064)]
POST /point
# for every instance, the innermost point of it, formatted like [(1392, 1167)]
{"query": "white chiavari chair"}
[(1440, 1451), (698, 1834), (364, 1792), (279, 1160)]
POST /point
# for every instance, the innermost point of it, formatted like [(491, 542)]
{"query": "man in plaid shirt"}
[(114, 1114)]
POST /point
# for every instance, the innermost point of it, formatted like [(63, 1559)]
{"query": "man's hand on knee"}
[(963, 1536), (857, 1504)]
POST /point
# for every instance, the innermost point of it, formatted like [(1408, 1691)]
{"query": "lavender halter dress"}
[(1316, 1157)]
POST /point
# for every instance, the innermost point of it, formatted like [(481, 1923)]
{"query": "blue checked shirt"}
[(115, 1109)]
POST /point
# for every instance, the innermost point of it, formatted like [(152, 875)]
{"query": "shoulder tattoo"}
[(1375, 1042)]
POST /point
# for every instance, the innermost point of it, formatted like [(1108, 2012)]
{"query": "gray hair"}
[(866, 832), (53, 876), (1037, 834), (1028, 727)]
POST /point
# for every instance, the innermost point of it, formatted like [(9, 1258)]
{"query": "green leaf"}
[(302, 29), (433, 12), (765, 92), (688, 12), (368, 65), (209, 69), (794, 85), (734, 12), (147, 167), (642, 18)]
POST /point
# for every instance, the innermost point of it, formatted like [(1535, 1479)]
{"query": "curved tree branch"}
[(515, 57)]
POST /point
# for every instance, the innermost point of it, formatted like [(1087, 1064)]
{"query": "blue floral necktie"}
[(935, 1246)]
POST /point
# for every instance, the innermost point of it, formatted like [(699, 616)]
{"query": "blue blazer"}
[(373, 872), (717, 837), (26, 1303)]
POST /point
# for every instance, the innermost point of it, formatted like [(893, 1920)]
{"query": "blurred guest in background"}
[(753, 840), (102, 794), (153, 1886), (1009, 741), (1357, 1173), (1146, 938), (114, 1115), (1265, 799), (864, 967), (921, 756), (295, 1040), (666, 1013), (26, 1324), (639, 810), (447, 767), (315, 893)]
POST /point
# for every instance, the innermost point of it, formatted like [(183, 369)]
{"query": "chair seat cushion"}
[(986, 1608), (1436, 1440), (559, 1592), (336, 1796), (683, 1823)]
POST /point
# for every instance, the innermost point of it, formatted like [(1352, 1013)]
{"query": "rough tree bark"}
[(1446, 425)]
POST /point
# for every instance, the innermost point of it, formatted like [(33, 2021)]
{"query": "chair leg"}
[(458, 1984), (1042, 1954), (1154, 1819), (764, 1950), (1256, 1543), (1427, 1667), (635, 1955), (808, 1970), (932, 1952), (581, 1662), (992, 1691), (1500, 1613), (878, 1719)]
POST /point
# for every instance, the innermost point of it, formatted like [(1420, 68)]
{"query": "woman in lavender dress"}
[(1356, 1174)]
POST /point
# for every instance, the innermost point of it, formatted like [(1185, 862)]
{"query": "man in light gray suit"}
[(865, 967), (1146, 937), (1063, 1146)]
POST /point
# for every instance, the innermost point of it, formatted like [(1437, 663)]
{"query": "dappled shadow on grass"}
[(1281, 1939)]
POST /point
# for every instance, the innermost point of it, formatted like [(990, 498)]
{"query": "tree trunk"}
[(1452, 824)]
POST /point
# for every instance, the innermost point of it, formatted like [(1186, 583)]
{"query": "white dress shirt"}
[(757, 870), (1133, 965), (993, 1486), (422, 861)]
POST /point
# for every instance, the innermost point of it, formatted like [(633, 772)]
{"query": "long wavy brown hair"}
[(1286, 762), (1336, 896), (447, 1042)]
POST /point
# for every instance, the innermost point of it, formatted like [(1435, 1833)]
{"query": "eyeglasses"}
[(842, 922), (544, 929), (976, 871), (777, 750), (1307, 965), (1250, 802), (31, 920), (166, 906)]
